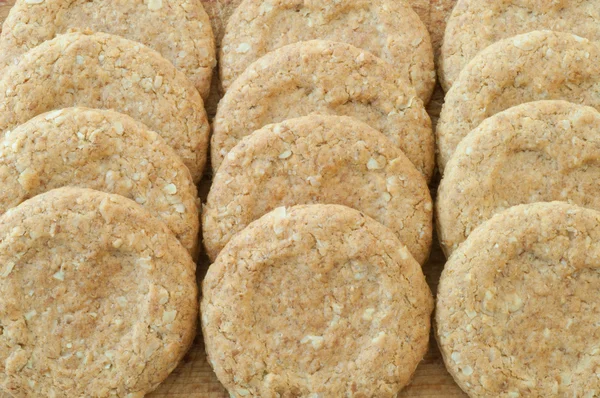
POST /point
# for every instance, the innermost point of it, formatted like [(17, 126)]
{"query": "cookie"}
[(499, 164), (518, 304), (178, 29), (97, 297), (318, 159), (350, 315), (327, 78), (104, 71), (535, 66), (477, 24), (433, 13), (389, 29), (102, 150)]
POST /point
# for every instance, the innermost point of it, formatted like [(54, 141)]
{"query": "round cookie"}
[(433, 13), (351, 314), (327, 78), (97, 297), (178, 29), (102, 150), (477, 24), (518, 304), (104, 71), (535, 66), (389, 29), (318, 159), (499, 164)]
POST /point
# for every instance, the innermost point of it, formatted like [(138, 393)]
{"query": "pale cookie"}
[(518, 304), (535, 152), (327, 78), (97, 297), (535, 66), (315, 300), (178, 29), (102, 150), (433, 13), (477, 24), (390, 29), (318, 159), (104, 71)]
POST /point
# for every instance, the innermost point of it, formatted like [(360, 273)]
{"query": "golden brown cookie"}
[(178, 29), (519, 302), (102, 150), (535, 152), (389, 29), (477, 24), (326, 78), (318, 159), (534, 66), (104, 71), (315, 300), (97, 297)]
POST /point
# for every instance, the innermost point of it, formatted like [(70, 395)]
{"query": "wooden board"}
[(195, 379)]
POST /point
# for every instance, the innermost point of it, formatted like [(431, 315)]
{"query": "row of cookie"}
[(507, 136)]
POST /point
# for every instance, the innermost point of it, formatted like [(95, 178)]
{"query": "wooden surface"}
[(195, 379)]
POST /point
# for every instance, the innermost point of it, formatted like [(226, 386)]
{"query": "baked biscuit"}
[(102, 150), (477, 24), (318, 159), (389, 29), (518, 303), (315, 300), (178, 29), (534, 66), (97, 297), (326, 78), (104, 71), (535, 152)]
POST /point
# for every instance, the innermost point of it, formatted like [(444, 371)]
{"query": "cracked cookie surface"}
[(102, 150), (518, 304), (178, 29), (499, 165), (105, 71), (318, 159), (97, 297), (324, 77), (315, 300), (477, 24), (389, 29), (541, 65)]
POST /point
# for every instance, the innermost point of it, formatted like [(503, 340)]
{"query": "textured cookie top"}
[(102, 150), (476, 24), (327, 78), (178, 29), (390, 29), (97, 297), (535, 66), (433, 13), (104, 71), (535, 152), (319, 159), (316, 299), (519, 301)]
